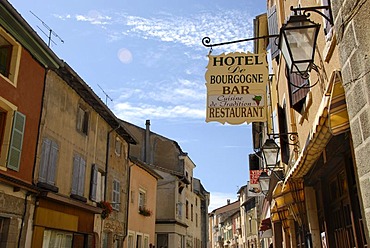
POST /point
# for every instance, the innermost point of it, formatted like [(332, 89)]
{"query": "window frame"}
[(14, 60), (142, 198), (82, 123), (116, 194), (7, 108)]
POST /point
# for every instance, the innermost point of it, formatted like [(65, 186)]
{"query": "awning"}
[(331, 119), (339, 121)]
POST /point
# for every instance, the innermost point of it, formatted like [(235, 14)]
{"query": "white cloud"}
[(220, 26), (219, 199)]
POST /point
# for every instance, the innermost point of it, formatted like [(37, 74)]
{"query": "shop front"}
[(63, 222)]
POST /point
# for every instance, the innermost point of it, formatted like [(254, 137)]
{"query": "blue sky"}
[(148, 57)]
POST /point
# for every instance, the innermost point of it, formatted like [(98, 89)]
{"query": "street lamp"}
[(297, 44), (264, 181), (270, 151)]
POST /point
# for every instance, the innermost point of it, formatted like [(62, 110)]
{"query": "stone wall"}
[(352, 29)]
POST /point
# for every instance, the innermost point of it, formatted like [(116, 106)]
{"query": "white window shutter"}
[(16, 141)]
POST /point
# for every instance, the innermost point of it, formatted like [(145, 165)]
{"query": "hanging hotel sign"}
[(236, 88)]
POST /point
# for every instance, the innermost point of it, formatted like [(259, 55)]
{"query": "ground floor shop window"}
[(57, 239)]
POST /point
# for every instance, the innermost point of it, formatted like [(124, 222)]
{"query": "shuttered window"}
[(78, 178), (48, 162), (298, 89), (16, 141), (93, 182), (116, 195), (273, 28)]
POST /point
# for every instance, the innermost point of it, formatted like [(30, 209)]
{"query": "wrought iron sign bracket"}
[(315, 9), (292, 138), (206, 40)]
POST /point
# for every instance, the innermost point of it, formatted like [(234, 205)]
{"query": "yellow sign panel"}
[(236, 88)]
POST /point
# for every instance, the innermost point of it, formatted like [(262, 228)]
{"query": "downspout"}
[(39, 129), (128, 193), (23, 217), (147, 142), (106, 162)]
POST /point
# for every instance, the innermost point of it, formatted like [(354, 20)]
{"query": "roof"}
[(14, 23), (86, 93), (145, 167)]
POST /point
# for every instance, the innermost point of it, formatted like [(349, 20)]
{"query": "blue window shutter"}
[(16, 141), (44, 161), (81, 177), (273, 28), (52, 163), (93, 182), (76, 165)]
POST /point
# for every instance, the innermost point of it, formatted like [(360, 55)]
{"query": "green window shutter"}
[(16, 141)]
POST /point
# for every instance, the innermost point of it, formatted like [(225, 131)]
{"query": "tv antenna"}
[(51, 32), (106, 96)]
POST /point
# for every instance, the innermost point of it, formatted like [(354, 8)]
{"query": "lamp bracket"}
[(206, 40), (314, 9), (290, 138)]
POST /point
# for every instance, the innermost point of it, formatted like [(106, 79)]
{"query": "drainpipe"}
[(147, 142), (106, 162), (23, 218)]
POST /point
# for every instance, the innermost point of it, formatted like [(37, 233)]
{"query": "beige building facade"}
[(319, 126)]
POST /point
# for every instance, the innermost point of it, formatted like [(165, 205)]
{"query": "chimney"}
[(228, 201), (147, 142)]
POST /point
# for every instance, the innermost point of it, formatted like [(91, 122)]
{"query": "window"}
[(146, 241), (96, 184), (187, 210), (10, 52), (196, 219), (78, 178), (116, 195), (54, 238), (7, 111), (48, 163), (118, 146), (139, 241), (191, 212), (4, 229), (162, 240), (82, 120), (130, 242), (142, 199)]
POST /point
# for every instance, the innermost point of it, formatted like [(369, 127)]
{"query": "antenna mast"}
[(51, 32), (106, 96)]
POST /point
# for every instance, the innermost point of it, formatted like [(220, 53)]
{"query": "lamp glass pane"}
[(285, 51), (271, 156), (264, 184), (301, 42)]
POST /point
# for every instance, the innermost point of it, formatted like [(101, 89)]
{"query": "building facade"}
[(142, 205), (319, 199), (178, 222), (24, 62), (81, 167)]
